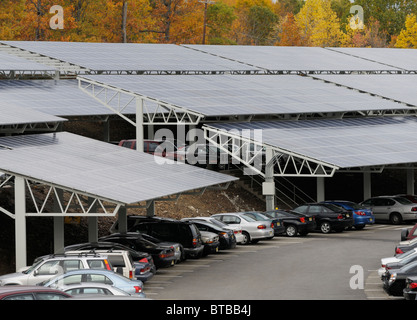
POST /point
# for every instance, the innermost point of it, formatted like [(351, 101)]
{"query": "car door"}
[(381, 208)]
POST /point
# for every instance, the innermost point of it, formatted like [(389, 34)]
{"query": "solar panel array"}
[(346, 143), (87, 165), (11, 115), (229, 95), (13, 63)]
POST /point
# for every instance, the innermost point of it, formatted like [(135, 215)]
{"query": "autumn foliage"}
[(245, 22)]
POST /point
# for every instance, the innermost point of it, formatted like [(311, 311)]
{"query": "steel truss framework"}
[(48, 200), (155, 112), (30, 127), (250, 151)]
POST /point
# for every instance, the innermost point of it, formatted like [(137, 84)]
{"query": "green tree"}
[(260, 24), (220, 17)]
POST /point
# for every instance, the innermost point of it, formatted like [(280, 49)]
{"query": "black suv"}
[(328, 216), (166, 229)]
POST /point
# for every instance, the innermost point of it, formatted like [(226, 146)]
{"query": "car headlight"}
[(392, 277)]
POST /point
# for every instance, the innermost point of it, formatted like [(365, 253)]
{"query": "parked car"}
[(361, 215), (92, 288), (227, 237), (394, 279), (32, 293), (211, 242), (410, 290), (328, 216), (48, 266), (411, 197), (160, 148), (142, 261), (394, 259), (205, 155), (405, 246), (294, 223), (162, 256), (166, 229), (390, 208), (409, 233), (252, 230), (404, 259), (237, 230), (275, 223), (122, 263), (95, 275), (179, 253)]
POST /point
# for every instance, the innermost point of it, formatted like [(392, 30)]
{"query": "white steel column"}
[(367, 192), (268, 187), (320, 189), (139, 124), (410, 181), (20, 222)]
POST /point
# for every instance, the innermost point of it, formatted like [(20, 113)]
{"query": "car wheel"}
[(325, 227), (291, 231), (246, 237), (395, 218)]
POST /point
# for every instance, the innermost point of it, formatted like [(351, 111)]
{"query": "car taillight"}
[(166, 254), (359, 213), (144, 270), (130, 274), (413, 285), (414, 209), (340, 217), (303, 220), (272, 225), (194, 242), (138, 289), (224, 234), (144, 260), (106, 263), (262, 226), (398, 251)]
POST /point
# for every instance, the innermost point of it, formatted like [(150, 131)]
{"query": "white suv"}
[(46, 267)]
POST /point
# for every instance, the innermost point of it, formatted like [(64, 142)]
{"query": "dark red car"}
[(31, 293)]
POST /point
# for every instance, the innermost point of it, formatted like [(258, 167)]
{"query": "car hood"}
[(12, 275), (384, 261)]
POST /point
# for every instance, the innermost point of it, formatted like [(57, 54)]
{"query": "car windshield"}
[(403, 200), (218, 223), (406, 254), (33, 267), (248, 219)]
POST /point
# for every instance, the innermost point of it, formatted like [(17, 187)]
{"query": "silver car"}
[(101, 276), (392, 208), (252, 230)]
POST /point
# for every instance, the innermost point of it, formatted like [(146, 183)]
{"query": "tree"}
[(319, 25), (260, 24), (220, 17), (289, 34), (408, 36)]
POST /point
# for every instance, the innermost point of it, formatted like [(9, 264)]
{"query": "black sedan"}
[(410, 290), (394, 280), (226, 236), (294, 223), (162, 256), (328, 216)]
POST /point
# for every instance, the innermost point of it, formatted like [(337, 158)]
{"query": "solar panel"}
[(101, 169), (12, 63), (346, 143), (405, 59), (302, 59), (228, 95), (58, 98), (12, 115), (395, 87), (130, 56)]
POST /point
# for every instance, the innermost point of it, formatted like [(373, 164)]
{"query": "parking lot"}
[(284, 268)]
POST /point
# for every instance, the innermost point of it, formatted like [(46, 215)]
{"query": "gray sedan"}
[(392, 208), (100, 276)]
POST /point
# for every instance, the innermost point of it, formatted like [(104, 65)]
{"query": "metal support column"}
[(268, 187), (367, 192), (320, 189), (58, 224), (139, 124), (410, 181), (122, 220), (150, 208), (20, 222)]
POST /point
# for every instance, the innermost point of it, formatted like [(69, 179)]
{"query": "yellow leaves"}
[(408, 36), (319, 24)]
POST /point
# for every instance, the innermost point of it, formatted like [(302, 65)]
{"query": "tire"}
[(395, 218), (291, 230), (246, 238), (325, 227)]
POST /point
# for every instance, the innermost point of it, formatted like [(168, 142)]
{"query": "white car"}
[(237, 230), (391, 208), (252, 230), (399, 258)]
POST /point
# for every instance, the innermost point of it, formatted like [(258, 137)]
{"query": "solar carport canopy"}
[(134, 57), (345, 143), (13, 63), (100, 169), (230, 95)]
